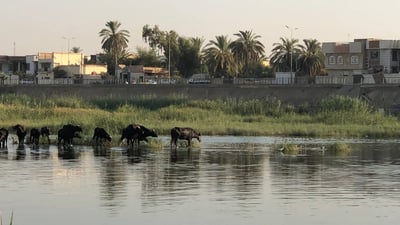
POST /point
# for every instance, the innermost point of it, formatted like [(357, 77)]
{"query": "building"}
[(12, 64), (344, 58), (48, 61), (31, 64), (142, 74), (362, 56), (383, 56)]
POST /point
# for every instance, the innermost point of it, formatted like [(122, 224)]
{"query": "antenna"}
[(14, 47)]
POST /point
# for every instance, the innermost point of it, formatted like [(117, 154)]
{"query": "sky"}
[(29, 27)]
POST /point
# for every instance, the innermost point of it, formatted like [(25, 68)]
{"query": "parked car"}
[(26, 82), (199, 81), (151, 82), (167, 81)]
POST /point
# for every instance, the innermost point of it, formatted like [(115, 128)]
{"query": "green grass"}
[(334, 117)]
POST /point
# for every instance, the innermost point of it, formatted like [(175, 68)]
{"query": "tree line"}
[(243, 56)]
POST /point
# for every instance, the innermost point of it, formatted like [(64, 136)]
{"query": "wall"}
[(94, 69), (382, 96)]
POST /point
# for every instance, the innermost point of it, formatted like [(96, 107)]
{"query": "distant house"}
[(362, 56), (142, 74), (344, 58), (48, 61), (12, 64), (72, 63)]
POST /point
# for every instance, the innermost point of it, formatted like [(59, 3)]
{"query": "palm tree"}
[(247, 49), (76, 50), (114, 41), (219, 57), (284, 53), (311, 58)]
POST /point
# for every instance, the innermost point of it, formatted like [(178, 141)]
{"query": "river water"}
[(227, 180)]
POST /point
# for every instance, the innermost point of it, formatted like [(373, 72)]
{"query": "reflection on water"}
[(229, 180)]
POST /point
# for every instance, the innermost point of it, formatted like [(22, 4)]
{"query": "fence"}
[(367, 79)]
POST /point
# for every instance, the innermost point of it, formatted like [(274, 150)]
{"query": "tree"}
[(284, 53), (59, 73), (114, 41), (247, 50), (189, 61), (153, 36), (181, 54), (76, 50), (311, 58), (219, 57), (145, 57)]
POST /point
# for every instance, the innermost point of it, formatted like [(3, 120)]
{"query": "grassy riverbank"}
[(334, 117)]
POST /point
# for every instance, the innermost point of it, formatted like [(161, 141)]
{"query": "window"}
[(354, 60), (46, 67), (332, 60), (340, 59), (394, 56), (374, 54)]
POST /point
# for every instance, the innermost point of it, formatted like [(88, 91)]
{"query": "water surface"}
[(228, 180)]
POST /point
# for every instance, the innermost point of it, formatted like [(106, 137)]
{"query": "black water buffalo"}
[(67, 133), (134, 133), (45, 132), (100, 135), (3, 137), (21, 133), (34, 136), (184, 133)]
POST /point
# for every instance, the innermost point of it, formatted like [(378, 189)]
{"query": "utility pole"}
[(68, 50), (169, 60)]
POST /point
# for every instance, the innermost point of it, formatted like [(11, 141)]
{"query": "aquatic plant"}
[(339, 148), (290, 149)]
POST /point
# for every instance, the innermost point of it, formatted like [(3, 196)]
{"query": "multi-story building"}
[(362, 56), (383, 56), (48, 61), (344, 58)]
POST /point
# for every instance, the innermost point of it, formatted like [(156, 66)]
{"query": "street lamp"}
[(169, 60), (291, 50), (68, 40)]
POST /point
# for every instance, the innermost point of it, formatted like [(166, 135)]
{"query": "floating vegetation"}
[(289, 149), (339, 148)]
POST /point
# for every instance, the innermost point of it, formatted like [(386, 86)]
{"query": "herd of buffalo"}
[(133, 134)]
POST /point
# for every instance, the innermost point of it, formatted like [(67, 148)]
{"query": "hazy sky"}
[(29, 27)]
